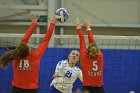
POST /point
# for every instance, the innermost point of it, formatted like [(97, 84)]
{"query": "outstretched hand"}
[(34, 17), (77, 22), (86, 23)]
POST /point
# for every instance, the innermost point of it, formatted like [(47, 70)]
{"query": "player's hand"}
[(56, 75), (86, 23), (54, 21), (77, 22), (34, 18)]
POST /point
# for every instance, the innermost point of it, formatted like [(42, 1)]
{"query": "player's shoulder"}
[(62, 62), (77, 67), (100, 53)]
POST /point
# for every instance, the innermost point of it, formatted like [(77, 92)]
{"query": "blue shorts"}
[(52, 89)]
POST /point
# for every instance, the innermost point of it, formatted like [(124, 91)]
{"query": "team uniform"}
[(92, 68), (26, 70), (68, 75)]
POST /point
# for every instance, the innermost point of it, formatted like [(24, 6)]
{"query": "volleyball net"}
[(121, 60)]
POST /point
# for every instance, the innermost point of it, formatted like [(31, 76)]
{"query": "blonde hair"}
[(93, 49)]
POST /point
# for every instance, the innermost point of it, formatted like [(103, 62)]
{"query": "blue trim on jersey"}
[(59, 63), (77, 67), (52, 89)]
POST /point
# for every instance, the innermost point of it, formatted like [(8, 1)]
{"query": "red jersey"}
[(26, 70), (92, 68)]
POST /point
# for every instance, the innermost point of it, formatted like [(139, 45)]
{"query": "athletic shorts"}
[(93, 89), (52, 89), (20, 90)]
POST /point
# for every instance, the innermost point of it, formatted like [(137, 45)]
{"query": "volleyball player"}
[(92, 61), (26, 63), (65, 74)]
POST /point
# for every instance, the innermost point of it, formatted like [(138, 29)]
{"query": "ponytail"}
[(7, 57)]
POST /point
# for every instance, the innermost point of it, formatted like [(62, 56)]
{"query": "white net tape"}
[(72, 41)]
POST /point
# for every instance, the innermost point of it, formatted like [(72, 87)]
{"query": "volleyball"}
[(132, 92), (61, 15)]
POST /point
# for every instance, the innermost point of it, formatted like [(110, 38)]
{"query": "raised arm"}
[(44, 44), (81, 35), (31, 29), (93, 49), (86, 23)]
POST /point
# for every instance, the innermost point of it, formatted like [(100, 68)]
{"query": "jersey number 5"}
[(94, 66)]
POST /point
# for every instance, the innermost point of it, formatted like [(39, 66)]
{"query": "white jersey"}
[(68, 75)]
